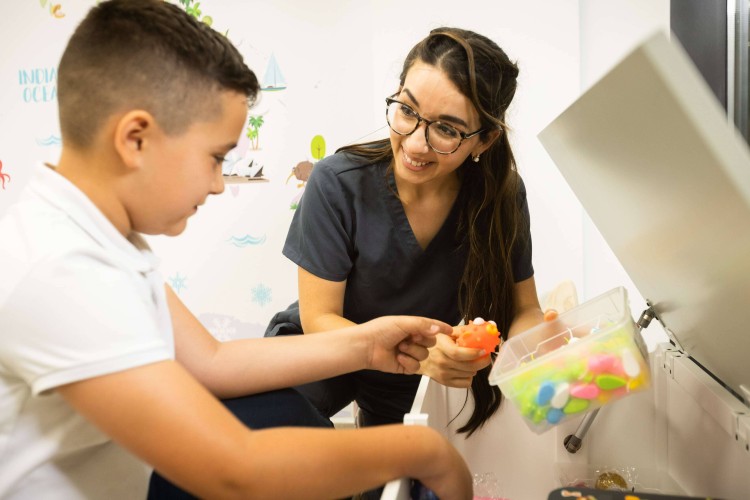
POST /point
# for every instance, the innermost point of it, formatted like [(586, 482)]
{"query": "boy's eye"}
[(220, 159)]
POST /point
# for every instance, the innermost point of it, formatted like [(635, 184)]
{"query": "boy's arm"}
[(164, 416), (393, 344)]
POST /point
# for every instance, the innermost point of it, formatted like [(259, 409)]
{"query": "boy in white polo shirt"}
[(103, 371)]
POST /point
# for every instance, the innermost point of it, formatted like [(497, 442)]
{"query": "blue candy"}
[(554, 415), (545, 394)]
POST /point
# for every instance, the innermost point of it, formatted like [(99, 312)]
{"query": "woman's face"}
[(430, 93)]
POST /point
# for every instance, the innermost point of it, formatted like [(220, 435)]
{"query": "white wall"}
[(610, 30), (340, 59)]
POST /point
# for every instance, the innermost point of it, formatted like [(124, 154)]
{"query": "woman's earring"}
[(476, 159)]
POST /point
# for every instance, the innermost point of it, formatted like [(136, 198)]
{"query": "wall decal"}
[(52, 140), (247, 240), (254, 123), (303, 169), (318, 147), (38, 85), (225, 327), (177, 282), (55, 9), (273, 80), (261, 295), (194, 10), (3, 177)]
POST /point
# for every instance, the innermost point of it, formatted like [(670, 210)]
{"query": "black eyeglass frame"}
[(420, 119)]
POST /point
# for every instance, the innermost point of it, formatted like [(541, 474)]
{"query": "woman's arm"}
[(528, 312), (164, 416), (321, 303)]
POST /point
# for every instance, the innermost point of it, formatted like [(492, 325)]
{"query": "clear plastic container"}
[(587, 357)]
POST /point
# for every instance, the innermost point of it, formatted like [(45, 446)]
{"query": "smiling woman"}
[(432, 221)]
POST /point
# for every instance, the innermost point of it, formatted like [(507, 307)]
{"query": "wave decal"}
[(247, 240), (52, 140)]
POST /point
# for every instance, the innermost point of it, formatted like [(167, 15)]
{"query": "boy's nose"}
[(218, 183)]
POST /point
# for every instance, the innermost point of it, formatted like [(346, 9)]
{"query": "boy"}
[(99, 357)]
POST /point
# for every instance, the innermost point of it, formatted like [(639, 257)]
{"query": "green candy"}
[(527, 408), (608, 382), (575, 405), (574, 370), (539, 414)]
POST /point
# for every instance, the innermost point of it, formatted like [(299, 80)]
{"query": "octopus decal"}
[(3, 177)]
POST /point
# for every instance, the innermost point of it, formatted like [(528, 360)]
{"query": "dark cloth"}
[(282, 408), (382, 398), (350, 225)]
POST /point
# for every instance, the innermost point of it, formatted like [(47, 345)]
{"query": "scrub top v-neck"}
[(351, 225)]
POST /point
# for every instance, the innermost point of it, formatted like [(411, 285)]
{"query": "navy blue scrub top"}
[(350, 225)]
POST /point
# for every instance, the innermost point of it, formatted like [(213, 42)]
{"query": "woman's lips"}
[(413, 164)]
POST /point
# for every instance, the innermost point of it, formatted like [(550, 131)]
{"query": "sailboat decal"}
[(273, 79)]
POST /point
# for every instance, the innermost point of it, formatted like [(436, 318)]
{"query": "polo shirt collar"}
[(67, 197)]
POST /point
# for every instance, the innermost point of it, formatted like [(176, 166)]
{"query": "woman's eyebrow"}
[(411, 96), (450, 118)]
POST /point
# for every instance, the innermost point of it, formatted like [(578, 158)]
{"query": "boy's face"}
[(183, 170)]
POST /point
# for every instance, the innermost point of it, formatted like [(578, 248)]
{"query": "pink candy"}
[(605, 363), (584, 391)]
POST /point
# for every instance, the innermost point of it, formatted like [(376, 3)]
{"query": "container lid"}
[(651, 156)]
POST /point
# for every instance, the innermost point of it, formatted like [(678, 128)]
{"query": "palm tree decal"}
[(194, 9), (253, 130)]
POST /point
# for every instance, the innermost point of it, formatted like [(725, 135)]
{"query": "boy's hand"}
[(399, 343), (452, 365), (450, 477)]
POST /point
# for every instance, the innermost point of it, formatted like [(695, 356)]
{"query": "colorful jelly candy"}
[(584, 391), (629, 364), (479, 334), (602, 366), (561, 397), (546, 391), (554, 415)]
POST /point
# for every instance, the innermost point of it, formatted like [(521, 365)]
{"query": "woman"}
[(432, 221)]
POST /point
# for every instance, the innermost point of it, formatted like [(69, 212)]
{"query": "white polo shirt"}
[(77, 300)]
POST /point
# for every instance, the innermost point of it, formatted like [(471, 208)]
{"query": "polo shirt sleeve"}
[(521, 256), (320, 235), (78, 316)]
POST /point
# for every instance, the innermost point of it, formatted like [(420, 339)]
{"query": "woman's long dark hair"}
[(490, 217)]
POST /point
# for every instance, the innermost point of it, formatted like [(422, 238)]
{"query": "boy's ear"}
[(134, 130)]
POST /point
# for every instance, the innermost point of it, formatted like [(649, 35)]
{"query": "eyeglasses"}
[(441, 137)]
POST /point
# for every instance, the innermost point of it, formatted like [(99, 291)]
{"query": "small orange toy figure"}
[(479, 334)]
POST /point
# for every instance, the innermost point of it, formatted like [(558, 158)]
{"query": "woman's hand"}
[(452, 365)]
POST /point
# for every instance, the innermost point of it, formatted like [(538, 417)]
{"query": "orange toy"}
[(479, 334)]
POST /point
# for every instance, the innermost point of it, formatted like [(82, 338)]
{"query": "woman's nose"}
[(417, 140)]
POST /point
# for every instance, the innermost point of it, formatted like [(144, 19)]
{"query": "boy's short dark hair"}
[(145, 54)]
